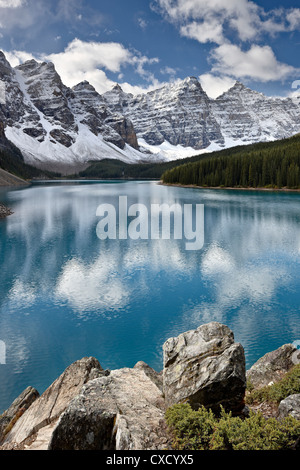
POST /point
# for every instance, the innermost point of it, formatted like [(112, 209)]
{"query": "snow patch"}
[(87, 147), (168, 152)]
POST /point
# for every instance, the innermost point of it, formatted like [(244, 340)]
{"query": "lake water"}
[(66, 294)]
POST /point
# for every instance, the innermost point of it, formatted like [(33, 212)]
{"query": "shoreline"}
[(229, 188)]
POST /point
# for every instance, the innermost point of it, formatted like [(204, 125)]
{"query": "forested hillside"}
[(275, 165)]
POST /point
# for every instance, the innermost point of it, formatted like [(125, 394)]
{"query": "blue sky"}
[(143, 44)]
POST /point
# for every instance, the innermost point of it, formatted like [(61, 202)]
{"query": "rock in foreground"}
[(205, 367), (290, 406), (88, 408), (50, 405), (124, 411), (273, 365), (16, 410)]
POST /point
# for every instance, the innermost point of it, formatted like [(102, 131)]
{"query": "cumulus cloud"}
[(18, 57), (220, 23), (88, 61), (243, 16), (258, 63), (82, 56), (215, 85), (205, 31)]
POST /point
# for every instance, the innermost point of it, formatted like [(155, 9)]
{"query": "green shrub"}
[(289, 385), (202, 430)]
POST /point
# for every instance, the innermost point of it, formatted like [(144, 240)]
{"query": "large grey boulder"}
[(205, 367), (123, 411), (50, 405), (273, 366), (290, 406)]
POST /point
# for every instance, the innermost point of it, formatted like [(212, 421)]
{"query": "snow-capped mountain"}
[(54, 125), (57, 127)]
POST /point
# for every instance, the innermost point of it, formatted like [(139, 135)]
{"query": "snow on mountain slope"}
[(55, 125), (248, 115), (179, 113)]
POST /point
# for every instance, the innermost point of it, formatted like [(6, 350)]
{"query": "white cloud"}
[(293, 18), (205, 31), (11, 3), (215, 86), (241, 15), (18, 57), (258, 63), (197, 17), (218, 22), (83, 56), (86, 60)]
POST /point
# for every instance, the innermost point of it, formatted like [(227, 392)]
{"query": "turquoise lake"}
[(66, 294)]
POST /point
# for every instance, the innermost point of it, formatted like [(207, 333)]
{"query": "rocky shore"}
[(4, 211), (89, 408)]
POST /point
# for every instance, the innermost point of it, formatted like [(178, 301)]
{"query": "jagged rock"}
[(273, 366), (14, 111), (47, 92), (35, 132), (290, 406), (16, 410), (124, 411), (156, 377), (205, 367), (51, 404), (62, 137), (123, 127), (114, 127)]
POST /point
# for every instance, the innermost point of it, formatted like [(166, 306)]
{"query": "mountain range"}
[(61, 128)]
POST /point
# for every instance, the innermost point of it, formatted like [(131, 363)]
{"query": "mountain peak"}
[(117, 88), (4, 63), (2, 57), (32, 66), (84, 85), (192, 81), (238, 86)]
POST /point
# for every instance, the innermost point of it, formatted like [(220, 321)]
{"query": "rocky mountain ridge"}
[(54, 124)]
